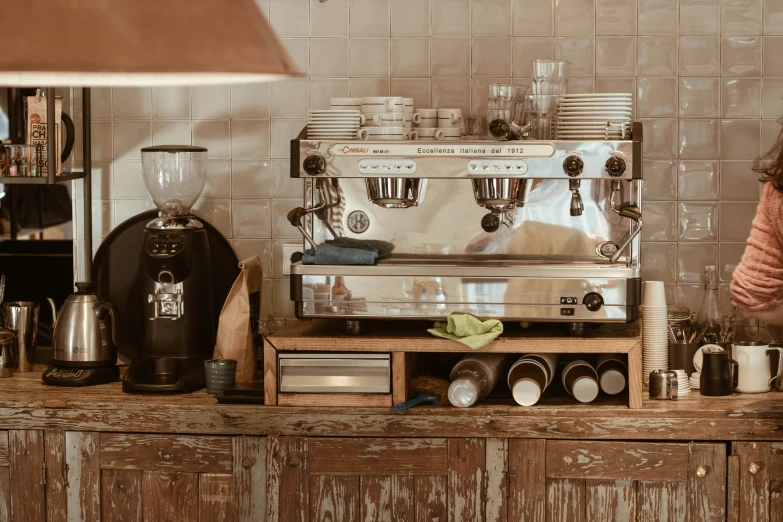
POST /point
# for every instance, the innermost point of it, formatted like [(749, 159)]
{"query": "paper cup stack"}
[(655, 338), (683, 385)]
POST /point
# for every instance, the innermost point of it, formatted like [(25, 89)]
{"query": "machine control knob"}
[(593, 301), (573, 166), (314, 165), (615, 166)]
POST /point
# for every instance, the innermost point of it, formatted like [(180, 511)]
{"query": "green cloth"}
[(468, 330)]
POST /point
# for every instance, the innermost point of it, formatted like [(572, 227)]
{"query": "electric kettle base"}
[(64, 376)]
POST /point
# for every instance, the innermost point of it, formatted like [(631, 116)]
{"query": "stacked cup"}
[(683, 384), (450, 124), (388, 118), (655, 335), (530, 376)]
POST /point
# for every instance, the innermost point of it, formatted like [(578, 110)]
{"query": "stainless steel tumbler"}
[(22, 318)]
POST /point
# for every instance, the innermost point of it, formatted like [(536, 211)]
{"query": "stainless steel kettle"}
[(87, 330)]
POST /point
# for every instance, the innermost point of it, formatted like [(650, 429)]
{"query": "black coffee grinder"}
[(175, 276)]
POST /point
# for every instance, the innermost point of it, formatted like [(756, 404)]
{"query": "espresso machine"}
[(175, 277), (529, 231)]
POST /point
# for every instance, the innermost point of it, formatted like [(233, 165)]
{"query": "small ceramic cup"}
[(429, 133), (219, 374), (382, 133), (428, 118), (346, 104), (408, 104), (383, 104), (449, 118), (393, 119)]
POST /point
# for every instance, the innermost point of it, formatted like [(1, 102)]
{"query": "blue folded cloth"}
[(348, 251)]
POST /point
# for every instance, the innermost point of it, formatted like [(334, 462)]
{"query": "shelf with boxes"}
[(407, 351)]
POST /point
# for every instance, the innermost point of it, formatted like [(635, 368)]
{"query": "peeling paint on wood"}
[(610, 500), (56, 494), (661, 501), (566, 500), (121, 495), (28, 497), (4, 459), (250, 478), (527, 480), (215, 498), (172, 497), (496, 483), (166, 453), (288, 480), (5, 495), (378, 456), (776, 501), (431, 504), (467, 460), (754, 489), (707, 495), (387, 499), (334, 498), (733, 493), (83, 472), (616, 460)]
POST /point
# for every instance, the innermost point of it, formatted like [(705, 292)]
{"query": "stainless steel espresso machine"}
[(531, 231)]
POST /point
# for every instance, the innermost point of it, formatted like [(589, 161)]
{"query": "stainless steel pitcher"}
[(663, 385)]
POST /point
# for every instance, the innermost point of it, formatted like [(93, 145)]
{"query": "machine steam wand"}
[(577, 206)]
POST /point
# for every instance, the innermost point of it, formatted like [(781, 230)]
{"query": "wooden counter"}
[(94, 453), (25, 403)]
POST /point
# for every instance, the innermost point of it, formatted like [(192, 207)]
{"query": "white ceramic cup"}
[(754, 367), (429, 133), (450, 132), (383, 104), (428, 118), (346, 104), (392, 119), (382, 133), (408, 104), (410, 134), (653, 295), (449, 118)]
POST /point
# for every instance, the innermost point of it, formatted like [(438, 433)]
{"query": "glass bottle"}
[(708, 319)]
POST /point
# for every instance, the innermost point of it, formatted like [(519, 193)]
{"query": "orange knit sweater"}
[(757, 284)]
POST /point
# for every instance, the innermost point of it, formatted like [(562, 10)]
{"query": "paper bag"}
[(37, 129), (239, 320)]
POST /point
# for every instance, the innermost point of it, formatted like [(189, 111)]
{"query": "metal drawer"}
[(334, 372)]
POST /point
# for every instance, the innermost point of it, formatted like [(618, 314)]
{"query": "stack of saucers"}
[(334, 124), (655, 335), (695, 380), (683, 385), (595, 116)]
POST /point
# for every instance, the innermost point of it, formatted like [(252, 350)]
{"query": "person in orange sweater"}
[(757, 283)]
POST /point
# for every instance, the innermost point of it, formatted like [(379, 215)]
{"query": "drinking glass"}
[(550, 76), (475, 128), (502, 96), (543, 116)]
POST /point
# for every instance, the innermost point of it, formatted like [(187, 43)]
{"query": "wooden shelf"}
[(40, 180), (405, 339)]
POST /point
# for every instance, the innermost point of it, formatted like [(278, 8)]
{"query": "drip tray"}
[(334, 373)]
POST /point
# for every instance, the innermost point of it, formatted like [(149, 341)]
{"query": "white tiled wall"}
[(707, 76)]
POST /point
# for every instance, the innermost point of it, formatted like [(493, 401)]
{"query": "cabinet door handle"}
[(701, 472), (754, 468)]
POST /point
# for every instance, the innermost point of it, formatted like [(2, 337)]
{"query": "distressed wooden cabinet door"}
[(133, 477), (394, 480), (756, 482), (585, 481)]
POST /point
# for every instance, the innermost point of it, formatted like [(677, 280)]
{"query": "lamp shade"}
[(138, 42)]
